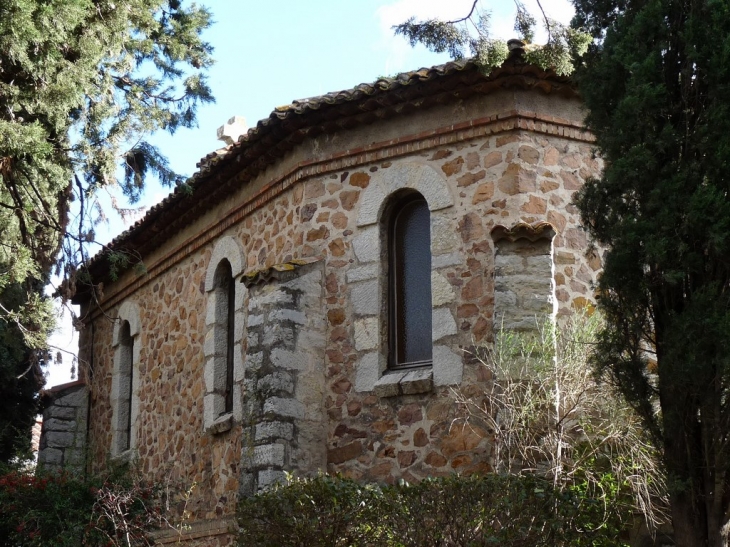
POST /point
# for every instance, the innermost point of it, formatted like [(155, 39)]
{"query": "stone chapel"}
[(310, 298)]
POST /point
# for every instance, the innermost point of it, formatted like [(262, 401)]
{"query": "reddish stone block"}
[(452, 167), (420, 438), (406, 458), (410, 414)]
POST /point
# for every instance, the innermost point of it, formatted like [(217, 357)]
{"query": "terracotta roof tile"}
[(288, 125)]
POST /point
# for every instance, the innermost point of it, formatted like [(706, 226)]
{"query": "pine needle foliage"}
[(470, 36), (82, 84)]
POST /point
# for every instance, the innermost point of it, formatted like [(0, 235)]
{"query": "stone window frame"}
[(215, 347), (368, 282), (400, 202), (125, 424)]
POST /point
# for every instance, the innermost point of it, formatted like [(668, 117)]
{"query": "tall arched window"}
[(409, 283), (225, 303), (126, 377), (224, 331)]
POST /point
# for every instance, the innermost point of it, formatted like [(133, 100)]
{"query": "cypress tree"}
[(656, 82)]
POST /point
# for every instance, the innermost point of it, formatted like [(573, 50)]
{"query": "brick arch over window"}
[(125, 379), (368, 294), (224, 332)]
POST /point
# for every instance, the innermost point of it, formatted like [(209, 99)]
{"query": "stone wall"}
[(507, 168), (63, 434)]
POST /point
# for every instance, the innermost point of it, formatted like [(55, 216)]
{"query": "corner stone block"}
[(389, 384), (444, 237), (370, 203), (309, 283), (448, 367), (287, 408), (365, 299), (270, 477), (369, 369), (60, 425), (288, 360), (441, 290), (213, 405), (211, 317), (367, 245), (76, 398), (363, 273), (443, 324), (56, 439), (274, 430), (442, 261), (254, 360), (269, 455), (417, 381), (367, 333), (294, 316)]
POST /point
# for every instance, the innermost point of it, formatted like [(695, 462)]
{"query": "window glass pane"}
[(412, 282)]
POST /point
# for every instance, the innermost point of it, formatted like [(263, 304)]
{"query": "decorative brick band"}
[(383, 150)]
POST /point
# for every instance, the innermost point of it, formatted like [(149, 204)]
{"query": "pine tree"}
[(82, 83), (657, 86)]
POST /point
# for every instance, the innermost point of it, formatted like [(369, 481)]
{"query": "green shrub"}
[(493, 510), (67, 511)]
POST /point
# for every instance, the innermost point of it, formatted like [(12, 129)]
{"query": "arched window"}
[(124, 394), (223, 371), (225, 304), (409, 283), (126, 377)]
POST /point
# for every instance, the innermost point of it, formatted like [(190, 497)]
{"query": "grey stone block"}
[(287, 408), (368, 371), (389, 384), (277, 334), (269, 455), (274, 430), (60, 425), (417, 381), (61, 412), (276, 382), (451, 259), (295, 316), (255, 320), (270, 477), (443, 324), (288, 360), (366, 245), (75, 398), (363, 273), (55, 439), (365, 298), (448, 367)]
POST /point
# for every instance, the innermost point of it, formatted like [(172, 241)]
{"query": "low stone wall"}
[(63, 436)]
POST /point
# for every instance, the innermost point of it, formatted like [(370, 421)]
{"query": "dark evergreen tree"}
[(82, 84), (657, 85)]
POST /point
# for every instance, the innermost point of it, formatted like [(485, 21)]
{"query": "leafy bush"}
[(67, 511), (493, 510)]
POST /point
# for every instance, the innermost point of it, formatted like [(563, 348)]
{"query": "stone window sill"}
[(126, 457), (221, 424), (405, 382)]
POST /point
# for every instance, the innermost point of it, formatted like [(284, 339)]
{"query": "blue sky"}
[(269, 53)]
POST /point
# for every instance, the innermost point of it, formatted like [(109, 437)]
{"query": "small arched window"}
[(225, 303), (409, 283)]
